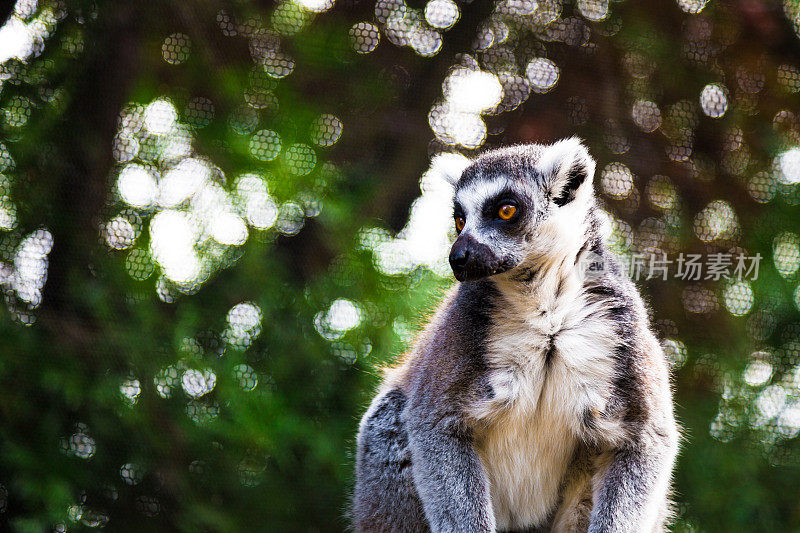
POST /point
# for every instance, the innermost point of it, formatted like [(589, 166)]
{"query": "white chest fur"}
[(546, 372)]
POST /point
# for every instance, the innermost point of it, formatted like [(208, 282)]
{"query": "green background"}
[(196, 358)]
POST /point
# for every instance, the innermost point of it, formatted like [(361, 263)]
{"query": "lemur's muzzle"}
[(471, 260)]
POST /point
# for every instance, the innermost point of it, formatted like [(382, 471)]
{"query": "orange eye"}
[(506, 212), (460, 223)]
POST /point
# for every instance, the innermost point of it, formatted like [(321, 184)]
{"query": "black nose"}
[(472, 260), (459, 256)]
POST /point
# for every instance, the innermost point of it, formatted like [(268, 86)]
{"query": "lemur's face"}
[(495, 212), (503, 198)]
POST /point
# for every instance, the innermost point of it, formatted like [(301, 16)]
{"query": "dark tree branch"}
[(6, 9), (77, 173)]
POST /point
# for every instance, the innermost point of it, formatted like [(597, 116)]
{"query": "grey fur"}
[(425, 459), (384, 462)]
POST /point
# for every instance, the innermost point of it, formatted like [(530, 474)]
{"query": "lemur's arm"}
[(449, 476), (627, 492)]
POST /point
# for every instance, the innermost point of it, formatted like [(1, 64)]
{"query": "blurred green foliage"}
[(203, 259)]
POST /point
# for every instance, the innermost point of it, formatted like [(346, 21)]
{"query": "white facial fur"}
[(549, 229)]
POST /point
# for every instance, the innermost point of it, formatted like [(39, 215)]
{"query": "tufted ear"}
[(568, 170), (449, 166)]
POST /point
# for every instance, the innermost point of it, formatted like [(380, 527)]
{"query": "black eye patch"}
[(505, 197)]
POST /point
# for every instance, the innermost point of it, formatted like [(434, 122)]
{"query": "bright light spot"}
[(131, 473), (790, 166), (789, 78), (196, 383), (317, 6), (364, 37), (762, 187), (168, 378), (594, 10), (130, 390), (183, 181), (403, 330), (542, 73), (8, 213), (441, 14), (522, 7), (425, 238), (246, 376), (662, 193), (119, 233), (797, 302), (81, 445), (646, 115), (25, 8), (291, 218), (288, 18), (202, 217), (786, 254), (468, 93), (424, 41), (228, 228), (788, 423), (675, 351), (472, 91), (6, 161), (714, 100), (244, 317), (716, 221), (616, 180), (202, 412), (692, 6), (16, 40), (791, 9), (758, 372), (30, 266), (739, 298), (137, 186), (259, 207), (326, 130), (699, 300), (620, 236), (300, 159), (265, 145), (770, 402), (172, 238), (125, 148), (175, 49), (454, 127), (244, 324), (278, 65), (160, 117), (175, 146), (342, 316), (420, 238)]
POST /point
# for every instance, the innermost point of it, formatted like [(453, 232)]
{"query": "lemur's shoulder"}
[(448, 353)]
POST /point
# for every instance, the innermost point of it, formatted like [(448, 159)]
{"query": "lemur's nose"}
[(459, 257)]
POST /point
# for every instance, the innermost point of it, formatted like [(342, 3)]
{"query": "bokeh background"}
[(215, 227)]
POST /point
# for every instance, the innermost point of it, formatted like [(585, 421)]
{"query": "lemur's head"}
[(518, 206)]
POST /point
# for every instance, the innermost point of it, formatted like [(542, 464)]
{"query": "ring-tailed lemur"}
[(537, 398)]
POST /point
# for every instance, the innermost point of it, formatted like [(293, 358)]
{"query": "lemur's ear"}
[(449, 166), (568, 169)]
